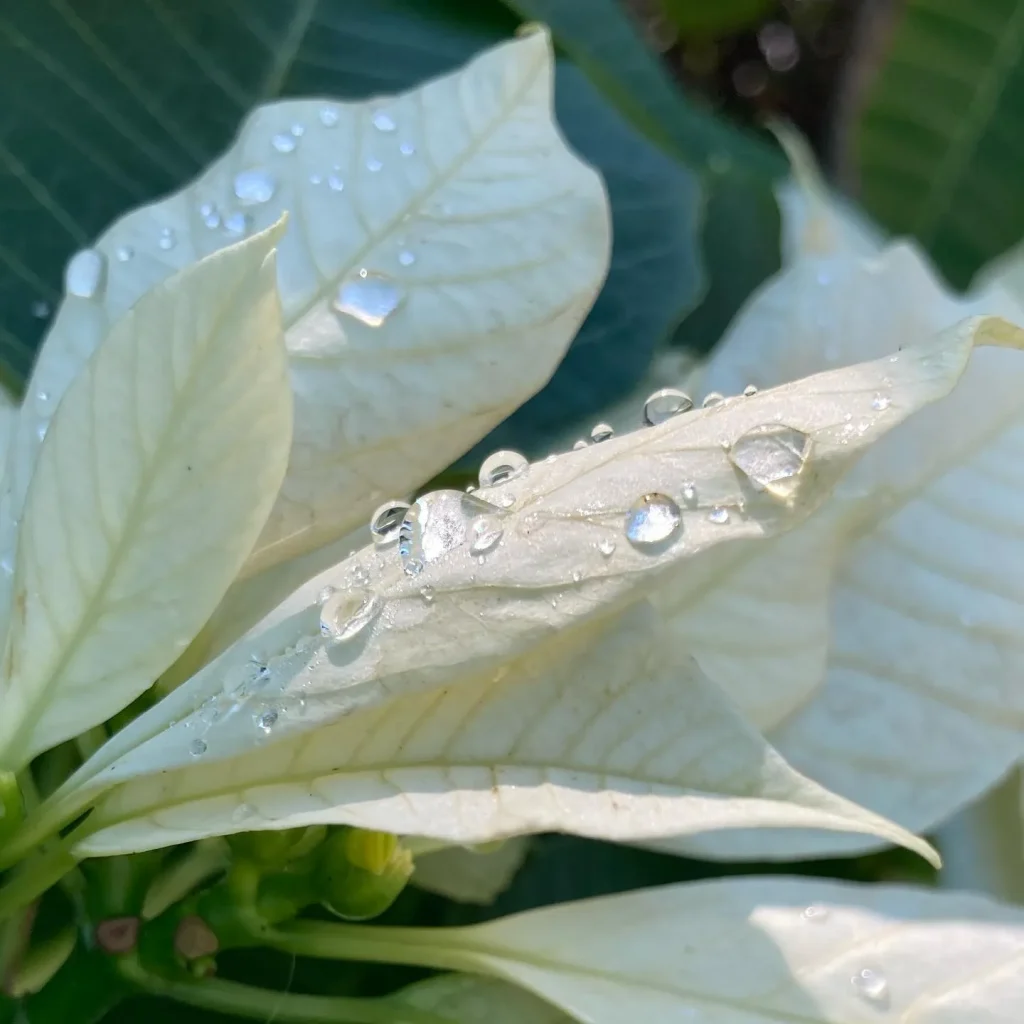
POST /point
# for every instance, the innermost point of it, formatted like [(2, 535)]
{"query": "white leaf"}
[(563, 557), (761, 951), (605, 731), (464, 999), (157, 475), (471, 875), (922, 707), (472, 218)]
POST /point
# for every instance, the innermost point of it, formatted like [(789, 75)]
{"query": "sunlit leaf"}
[(444, 246), (754, 951), (560, 740), (155, 478)]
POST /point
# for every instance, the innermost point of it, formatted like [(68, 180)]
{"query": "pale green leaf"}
[(464, 999), (154, 480), (471, 875), (759, 951), (606, 730), (468, 213), (922, 707), (552, 567)]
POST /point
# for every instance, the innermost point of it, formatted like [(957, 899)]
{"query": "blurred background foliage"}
[(914, 108)]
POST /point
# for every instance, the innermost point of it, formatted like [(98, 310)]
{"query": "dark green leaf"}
[(938, 147), (698, 18), (602, 39)]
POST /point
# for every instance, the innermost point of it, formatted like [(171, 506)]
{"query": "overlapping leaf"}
[(154, 480)]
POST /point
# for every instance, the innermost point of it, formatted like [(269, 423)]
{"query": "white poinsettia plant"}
[(783, 623)]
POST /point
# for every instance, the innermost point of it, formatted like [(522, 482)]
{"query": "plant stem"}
[(420, 947), (268, 1004), (51, 816), (34, 877)]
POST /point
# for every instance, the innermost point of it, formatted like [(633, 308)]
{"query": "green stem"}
[(419, 947), (265, 1004), (34, 877), (50, 818)]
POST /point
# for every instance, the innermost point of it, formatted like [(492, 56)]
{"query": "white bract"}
[(751, 951), (903, 688)]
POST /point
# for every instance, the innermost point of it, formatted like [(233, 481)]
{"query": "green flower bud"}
[(361, 873)]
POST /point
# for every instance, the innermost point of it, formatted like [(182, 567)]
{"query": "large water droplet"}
[(386, 522), (712, 398), (485, 532), (750, 390), (347, 613), (284, 143), (502, 466), (254, 186), (369, 298), (652, 519), (84, 273), (772, 456), (665, 404), (328, 116), (168, 239), (871, 985), (601, 432), (383, 122), (438, 523)]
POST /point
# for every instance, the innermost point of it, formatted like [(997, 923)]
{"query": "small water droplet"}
[(689, 492), (197, 748), (254, 186), (212, 219), (880, 402), (325, 593), (484, 532), (168, 239), (577, 575), (43, 396), (284, 143), (266, 721), (298, 129), (871, 985), (712, 398), (406, 148), (383, 122), (328, 116), (243, 812), (40, 309), (427, 593), (346, 614), (750, 390), (335, 183), (816, 913), (507, 500), (369, 298), (7, 564), (502, 466), (84, 274), (316, 178), (124, 253), (772, 457), (652, 519), (412, 567), (606, 547), (360, 575), (373, 165), (237, 223), (386, 522), (719, 515), (601, 432), (406, 258), (41, 430), (580, 445), (665, 404)]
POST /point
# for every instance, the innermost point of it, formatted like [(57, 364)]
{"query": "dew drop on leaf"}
[(772, 457), (749, 391), (328, 116), (816, 913), (284, 143), (368, 298), (881, 402), (254, 186), (84, 274), (427, 593), (406, 148), (606, 547), (719, 515), (124, 253), (665, 404), (689, 492), (871, 985), (335, 182), (236, 223), (502, 466), (652, 519), (601, 432), (373, 165), (346, 614), (168, 239), (266, 721), (485, 532), (580, 445), (438, 523), (383, 122), (712, 398), (197, 748), (406, 258), (386, 522)]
